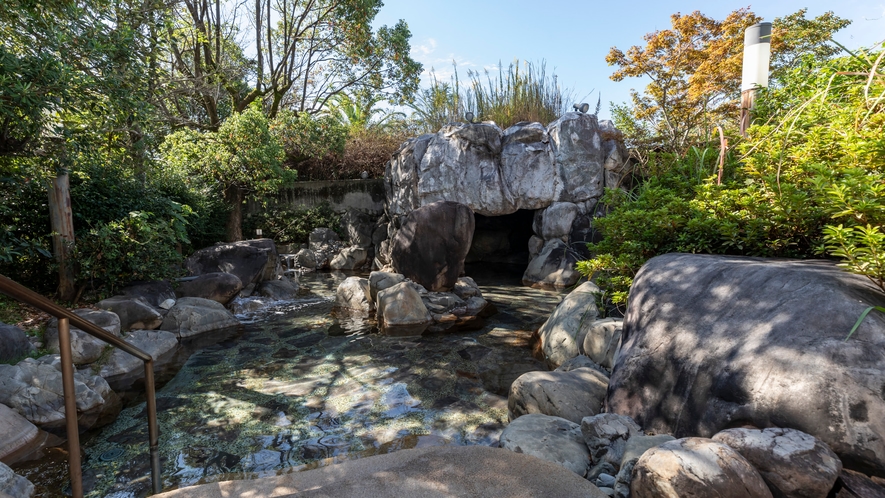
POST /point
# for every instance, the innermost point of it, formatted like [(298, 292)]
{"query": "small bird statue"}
[(468, 116)]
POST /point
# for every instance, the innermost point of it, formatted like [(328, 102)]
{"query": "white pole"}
[(757, 56)]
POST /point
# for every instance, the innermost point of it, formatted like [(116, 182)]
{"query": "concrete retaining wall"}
[(366, 196)]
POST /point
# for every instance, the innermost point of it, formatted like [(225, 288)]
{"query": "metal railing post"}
[(65, 319), (67, 376), (153, 432)]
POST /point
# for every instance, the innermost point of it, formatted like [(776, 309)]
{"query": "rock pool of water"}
[(297, 388)]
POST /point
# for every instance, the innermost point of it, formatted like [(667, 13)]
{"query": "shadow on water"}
[(295, 388)]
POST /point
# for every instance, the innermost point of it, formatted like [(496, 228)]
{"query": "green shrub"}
[(293, 226), (811, 181), (305, 136), (141, 246)]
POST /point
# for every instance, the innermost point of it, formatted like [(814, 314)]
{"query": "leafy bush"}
[(294, 225), (305, 136), (811, 181), (141, 246)]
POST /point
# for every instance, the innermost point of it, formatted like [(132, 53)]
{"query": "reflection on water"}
[(294, 389)]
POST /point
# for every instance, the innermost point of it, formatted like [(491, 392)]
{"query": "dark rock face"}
[(713, 342), (152, 293), (243, 259), (217, 286), (135, 314), (431, 246), (14, 343)]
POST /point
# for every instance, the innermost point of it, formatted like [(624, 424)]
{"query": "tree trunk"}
[(233, 195), (62, 222)]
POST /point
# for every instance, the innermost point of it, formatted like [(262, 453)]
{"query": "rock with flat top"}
[(792, 463), (401, 311), (16, 432), (571, 395), (193, 316), (134, 313), (696, 467), (217, 286), (84, 347), (553, 439)]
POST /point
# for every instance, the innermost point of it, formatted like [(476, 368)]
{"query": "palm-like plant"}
[(358, 112)]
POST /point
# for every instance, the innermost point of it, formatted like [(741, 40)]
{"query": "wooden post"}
[(62, 222), (748, 98)]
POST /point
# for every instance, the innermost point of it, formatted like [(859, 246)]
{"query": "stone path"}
[(462, 471)]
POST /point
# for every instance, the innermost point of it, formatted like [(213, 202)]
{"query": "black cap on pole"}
[(758, 33)]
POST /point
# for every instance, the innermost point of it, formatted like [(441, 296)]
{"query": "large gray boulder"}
[(306, 259), (85, 348), (553, 439), (325, 244), (134, 313), (696, 467), (359, 227), (713, 341), (562, 335), (571, 395), (617, 163), (192, 316), (156, 343), (252, 261), (495, 173), (432, 244), (462, 164), (14, 343), (601, 341), (577, 147), (555, 222), (350, 258), (606, 435), (527, 165), (352, 295), (154, 293), (636, 446), (553, 267), (401, 311), (380, 280), (401, 176), (16, 432), (33, 388), (13, 485), (217, 286), (281, 289), (792, 463)]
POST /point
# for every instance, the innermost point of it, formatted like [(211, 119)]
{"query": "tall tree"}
[(305, 53), (242, 156), (70, 89), (694, 69)]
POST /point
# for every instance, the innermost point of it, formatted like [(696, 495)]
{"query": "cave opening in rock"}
[(502, 240)]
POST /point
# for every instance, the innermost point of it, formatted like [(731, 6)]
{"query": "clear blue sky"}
[(574, 36)]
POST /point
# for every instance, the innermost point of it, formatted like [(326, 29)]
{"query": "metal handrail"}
[(65, 318)]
